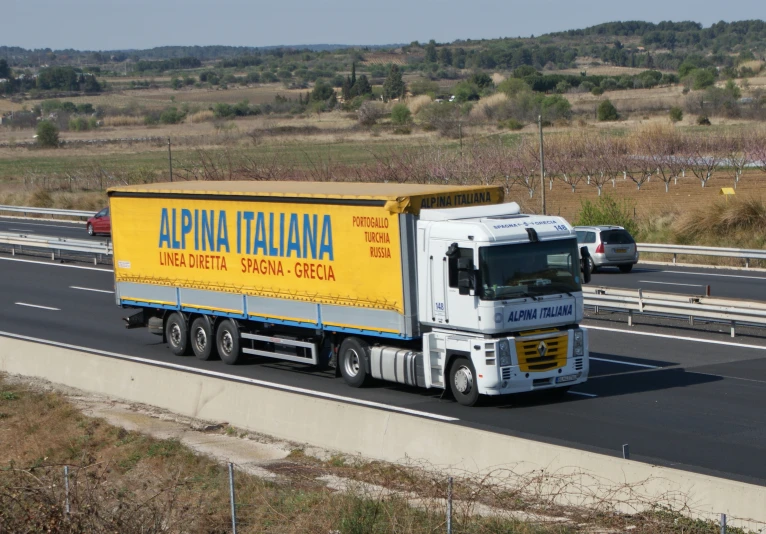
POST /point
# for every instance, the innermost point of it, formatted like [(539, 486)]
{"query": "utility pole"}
[(170, 160), (542, 161)]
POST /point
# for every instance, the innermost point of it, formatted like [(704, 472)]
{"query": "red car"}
[(100, 223)]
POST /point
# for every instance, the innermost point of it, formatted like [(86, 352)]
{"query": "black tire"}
[(177, 334), (591, 265), (90, 230), (352, 358), (202, 339), (462, 382), (626, 268), (227, 342)]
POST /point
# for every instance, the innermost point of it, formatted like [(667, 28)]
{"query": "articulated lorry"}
[(431, 286)]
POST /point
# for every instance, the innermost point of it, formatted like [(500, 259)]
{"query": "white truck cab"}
[(501, 294)]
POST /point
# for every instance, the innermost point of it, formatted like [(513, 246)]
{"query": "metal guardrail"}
[(675, 250), (732, 311), (56, 245), (47, 211)]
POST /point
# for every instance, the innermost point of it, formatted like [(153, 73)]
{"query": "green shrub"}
[(607, 112), (511, 124), (400, 114), (171, 115), (676, 114), (606, 210), (47, 134), (79, 124)]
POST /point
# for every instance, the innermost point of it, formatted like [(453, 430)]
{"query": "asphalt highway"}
[(728, 283), (46, 227), (690, 400)]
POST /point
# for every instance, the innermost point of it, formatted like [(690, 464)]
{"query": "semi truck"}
[(432, 286)]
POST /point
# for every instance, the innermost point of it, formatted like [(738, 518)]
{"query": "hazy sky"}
[(123, 24)]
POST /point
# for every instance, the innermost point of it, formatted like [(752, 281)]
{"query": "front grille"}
[(506, 373), (542, 354), (578, 364)]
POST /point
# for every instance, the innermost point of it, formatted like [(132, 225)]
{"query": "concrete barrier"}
[(383, 435)]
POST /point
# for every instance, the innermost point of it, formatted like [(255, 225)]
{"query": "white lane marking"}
[(719, 275), (235, 378), (582, 393), (18, 230), (626, 363), (731, 377), (91, 289), (679, 338), (58, 264), (669, 283), (37, 306)]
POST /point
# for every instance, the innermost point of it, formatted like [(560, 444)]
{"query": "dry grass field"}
[(651, 200)]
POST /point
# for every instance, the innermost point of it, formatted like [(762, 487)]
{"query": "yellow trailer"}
[(331, 255)]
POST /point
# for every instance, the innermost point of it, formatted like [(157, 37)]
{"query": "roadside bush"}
[(676, 114), (369, 113), (607, 210), (400, 114), (171, 115), (47, 134), (702, 120), (511, 124), (597, 91), (41, 198), (79, 124), (607, 112)]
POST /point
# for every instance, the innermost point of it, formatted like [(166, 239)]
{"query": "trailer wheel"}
[(202, 339), (227, 342), (177, 334), (352, 358), (462, 382)]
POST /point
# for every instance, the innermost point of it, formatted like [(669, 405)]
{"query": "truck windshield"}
[(529, 269)]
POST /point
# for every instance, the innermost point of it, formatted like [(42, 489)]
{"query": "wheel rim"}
[(90, 229), (175, 334), (227, 342), (200, 339), (463, 380), (351, 362)]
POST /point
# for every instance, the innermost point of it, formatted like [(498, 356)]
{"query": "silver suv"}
[(608, 246)]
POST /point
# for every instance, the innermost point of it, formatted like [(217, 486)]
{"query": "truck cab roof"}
[(497, 223)]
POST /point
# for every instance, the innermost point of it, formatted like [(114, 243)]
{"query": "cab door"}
[(438, 278)]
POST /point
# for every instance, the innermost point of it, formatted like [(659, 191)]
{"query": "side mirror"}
[(585, 264), (465, 276)]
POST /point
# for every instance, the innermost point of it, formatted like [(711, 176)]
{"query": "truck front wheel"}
[(352, 360), (177, 334), (227, 341), (462, 381)]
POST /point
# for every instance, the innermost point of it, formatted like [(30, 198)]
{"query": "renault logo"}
[(542, 349)]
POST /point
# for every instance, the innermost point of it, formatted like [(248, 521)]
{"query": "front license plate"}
[(568, 378), (620, 250)]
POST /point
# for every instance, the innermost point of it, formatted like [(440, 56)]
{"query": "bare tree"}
[(704, 156), (593, 164), (737, 155), (562, 157)]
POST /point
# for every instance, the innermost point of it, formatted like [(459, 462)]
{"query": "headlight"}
[(578, 337), (578, 350), (503, 353)]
